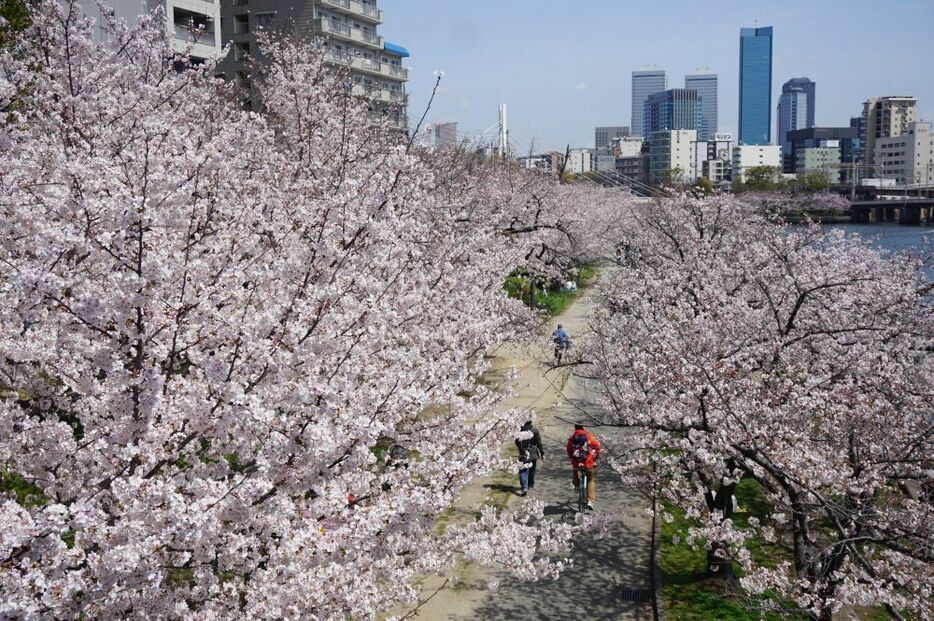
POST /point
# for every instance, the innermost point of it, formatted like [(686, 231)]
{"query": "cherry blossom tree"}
[(795, 358), (239, 351)]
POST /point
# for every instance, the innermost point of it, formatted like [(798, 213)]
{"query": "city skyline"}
[(563, 76)]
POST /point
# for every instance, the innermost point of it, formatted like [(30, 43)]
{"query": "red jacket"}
[(594, 450)]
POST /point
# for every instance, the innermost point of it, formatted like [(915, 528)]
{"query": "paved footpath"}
[(593, 588)]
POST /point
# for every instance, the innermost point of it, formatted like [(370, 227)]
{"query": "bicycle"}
[(581, 490), (561, 346)]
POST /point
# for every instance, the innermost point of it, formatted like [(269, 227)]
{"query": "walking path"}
[(604, 568)]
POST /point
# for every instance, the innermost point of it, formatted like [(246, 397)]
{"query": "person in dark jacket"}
[(531, 450)]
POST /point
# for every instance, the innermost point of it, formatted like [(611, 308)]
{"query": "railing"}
[(354, 7), (329, 26), (188, 34)]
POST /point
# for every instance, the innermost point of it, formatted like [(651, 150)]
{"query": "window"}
[(239, 2), (241, 50), (263, 20), (241, 23)]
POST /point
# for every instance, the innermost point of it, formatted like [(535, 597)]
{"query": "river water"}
[(894, 238)]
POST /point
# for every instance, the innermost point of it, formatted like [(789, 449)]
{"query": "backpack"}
[(528, 451), (580, 447)]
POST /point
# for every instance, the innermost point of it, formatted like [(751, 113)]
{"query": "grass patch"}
[(552, 300), (25, 493), (689, 592)]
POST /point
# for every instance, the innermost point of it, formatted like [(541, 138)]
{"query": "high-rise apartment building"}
[(191, 24), (603, 137), (755, 86), (883, 117), (706, 86), (795, 111), (350, 28), (676, 108), (644, 83)]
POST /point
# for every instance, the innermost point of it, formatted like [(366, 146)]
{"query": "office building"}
[(810, 91), (644, 83), (795, 111), (824, 159), (603, 137), (754, 156), (634, 169), (718, 148), (579, 161), (847, 138), (677, 108), (755, 86), (671, 156), (883, 117), (350, 28), (191, 24), (717, 171), (908, 158), (445, 135), (706, 86)]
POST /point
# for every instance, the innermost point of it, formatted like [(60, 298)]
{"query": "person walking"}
[(584, 451), (529, 443)]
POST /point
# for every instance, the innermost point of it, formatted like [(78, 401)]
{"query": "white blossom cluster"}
[(795, 358), (238, 350)]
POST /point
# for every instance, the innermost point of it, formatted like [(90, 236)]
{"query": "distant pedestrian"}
[(529, 443)]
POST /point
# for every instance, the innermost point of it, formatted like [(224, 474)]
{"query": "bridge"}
[(904, 204), (911, 211)]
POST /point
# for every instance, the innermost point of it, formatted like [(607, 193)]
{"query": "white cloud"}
[(581, 87)]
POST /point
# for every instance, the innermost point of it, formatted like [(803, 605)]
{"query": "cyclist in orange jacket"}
[(584, 451)]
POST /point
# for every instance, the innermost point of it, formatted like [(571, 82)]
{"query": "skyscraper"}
[(795, 111), (810, 90), (644, 83), (706, 86), (677, 108), (755, 85)]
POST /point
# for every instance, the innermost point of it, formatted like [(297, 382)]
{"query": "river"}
[(891, 237)]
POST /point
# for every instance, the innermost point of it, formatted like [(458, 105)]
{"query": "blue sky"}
[(564, 67)]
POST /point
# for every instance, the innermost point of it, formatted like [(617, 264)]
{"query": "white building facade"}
[(752, 156), (579, 161), (671, 156), (909, 158), (193, 26)]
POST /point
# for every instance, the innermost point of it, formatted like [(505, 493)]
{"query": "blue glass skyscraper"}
[(676, 108), (755, 85)]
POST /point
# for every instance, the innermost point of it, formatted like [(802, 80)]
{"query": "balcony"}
[(360, 10), (199, 44), (368, 65), (328, 27), (379, 94)]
